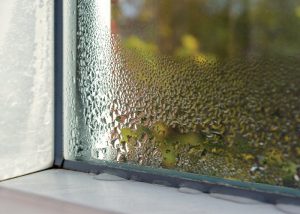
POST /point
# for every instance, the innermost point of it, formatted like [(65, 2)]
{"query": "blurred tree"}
[(224, 28)]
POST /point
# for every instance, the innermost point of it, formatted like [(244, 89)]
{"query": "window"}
[(191, 88)]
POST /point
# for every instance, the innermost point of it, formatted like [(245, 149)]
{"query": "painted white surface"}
[(12, 201), (26, 88), (129, 196)]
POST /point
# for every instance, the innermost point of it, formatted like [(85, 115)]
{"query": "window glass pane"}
[(208, 87)]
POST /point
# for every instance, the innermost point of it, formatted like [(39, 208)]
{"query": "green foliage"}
[(134, 42), (169, 155), (203, 30)]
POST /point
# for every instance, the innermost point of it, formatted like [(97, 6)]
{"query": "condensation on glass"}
[(208, 87)]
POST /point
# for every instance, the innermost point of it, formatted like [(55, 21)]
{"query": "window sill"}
[(111, 193)]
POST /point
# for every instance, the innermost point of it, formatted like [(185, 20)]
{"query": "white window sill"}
[(64, 191)]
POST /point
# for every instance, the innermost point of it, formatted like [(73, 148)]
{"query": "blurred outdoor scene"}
[(228, 100), (210, 87), (219, 29)]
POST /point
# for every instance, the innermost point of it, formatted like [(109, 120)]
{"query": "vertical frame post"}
[(58, 83)]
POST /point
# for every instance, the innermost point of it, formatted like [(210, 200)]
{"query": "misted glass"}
[(207, 87)]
